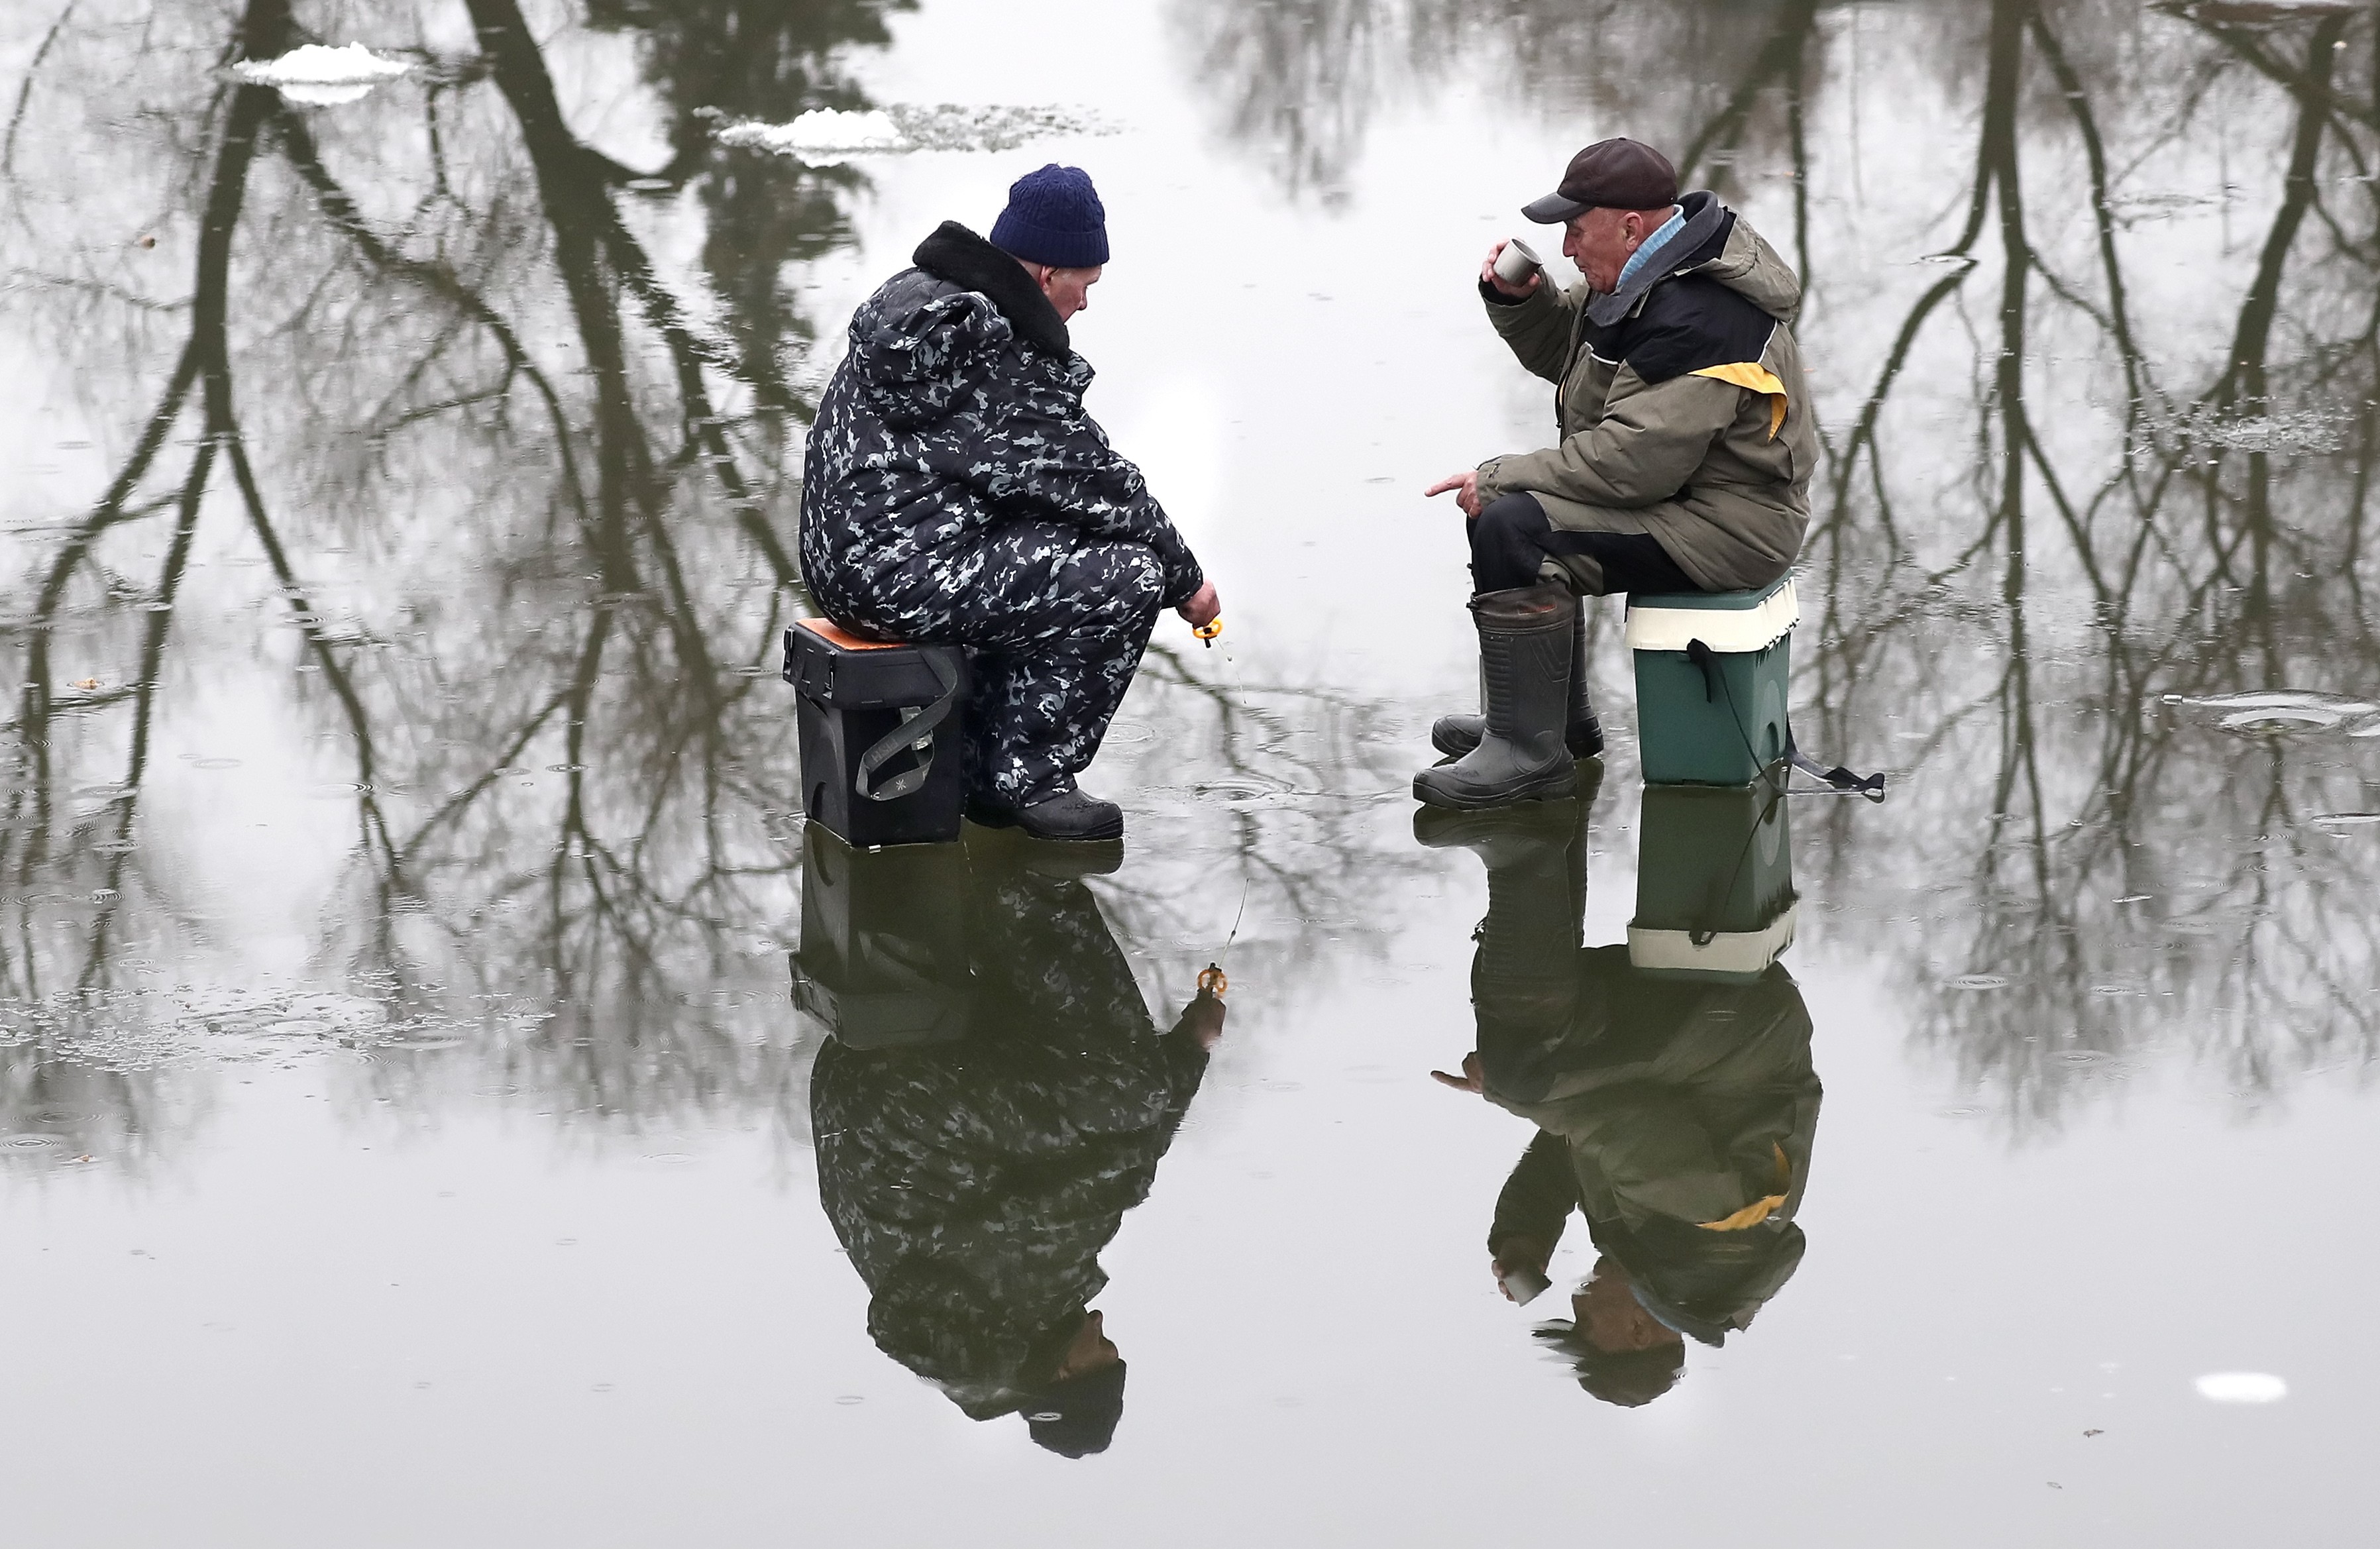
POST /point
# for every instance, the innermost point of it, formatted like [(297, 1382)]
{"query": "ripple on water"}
[(1242, 791), (2275, 712), (1977, 981)]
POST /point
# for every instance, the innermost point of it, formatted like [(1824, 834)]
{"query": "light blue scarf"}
[(1652, 243)]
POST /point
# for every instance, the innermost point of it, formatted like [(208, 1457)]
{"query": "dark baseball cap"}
[(1608, 174)]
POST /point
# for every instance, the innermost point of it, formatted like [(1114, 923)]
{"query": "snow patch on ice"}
[(2241, 1388), (321, 76), (827, 137)]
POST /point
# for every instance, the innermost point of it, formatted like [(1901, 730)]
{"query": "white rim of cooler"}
[(1746, 951), (1729, 631)]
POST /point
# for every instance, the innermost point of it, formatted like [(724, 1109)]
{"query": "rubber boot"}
[(1524, 646), (1458, 734)]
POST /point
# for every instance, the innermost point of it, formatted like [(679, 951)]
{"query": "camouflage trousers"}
[(1054, 624)]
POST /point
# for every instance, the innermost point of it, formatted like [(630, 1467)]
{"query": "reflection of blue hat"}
[(1054, 216), (1078, 1417)]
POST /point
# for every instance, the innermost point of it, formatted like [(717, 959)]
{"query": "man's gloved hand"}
[(1203, 606)]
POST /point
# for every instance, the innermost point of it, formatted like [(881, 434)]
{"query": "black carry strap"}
[(913, 730), (1839, 777), (1839, 780)]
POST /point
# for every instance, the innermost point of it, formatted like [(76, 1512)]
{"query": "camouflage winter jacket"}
[(974, 1183), (1680, 399), (959, 408)]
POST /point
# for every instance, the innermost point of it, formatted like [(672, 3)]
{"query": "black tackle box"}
[(880, 735)]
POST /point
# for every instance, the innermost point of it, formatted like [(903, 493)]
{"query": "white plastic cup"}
[(1517, 263)]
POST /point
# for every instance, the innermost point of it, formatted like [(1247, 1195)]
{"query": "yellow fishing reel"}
[(1207, 631), (1212, 982)]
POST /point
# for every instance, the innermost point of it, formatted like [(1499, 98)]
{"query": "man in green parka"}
[(1686, 448), (1675, 1113)]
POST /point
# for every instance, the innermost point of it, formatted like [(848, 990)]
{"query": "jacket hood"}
[(1718, 244), (969, 262)]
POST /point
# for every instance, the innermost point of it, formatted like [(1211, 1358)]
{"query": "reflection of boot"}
[(1525, 647), (1524, 974), (1536, 856), (1458, 734)]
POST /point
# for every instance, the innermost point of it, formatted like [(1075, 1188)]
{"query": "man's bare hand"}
[(1474, 1078), (1203, 606), (1202, 1021), (1466, 490), (1518, 292)]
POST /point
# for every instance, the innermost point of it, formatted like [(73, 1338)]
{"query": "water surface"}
[(406, 1126)]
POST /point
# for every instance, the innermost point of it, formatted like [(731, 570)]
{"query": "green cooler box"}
[(1714, 896), (1711, 681)]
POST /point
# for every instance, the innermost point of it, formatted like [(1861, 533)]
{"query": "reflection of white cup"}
[(1525, 1283), (1517, 263)]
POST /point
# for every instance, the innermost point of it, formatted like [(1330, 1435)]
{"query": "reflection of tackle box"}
[(880, 735), (1711, 681), (1714, 883), (884, 958)]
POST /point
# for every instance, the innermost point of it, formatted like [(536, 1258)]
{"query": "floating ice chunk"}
[(323, 76), (826, 136), (2241, 1388), (957, 126), (820, 137)]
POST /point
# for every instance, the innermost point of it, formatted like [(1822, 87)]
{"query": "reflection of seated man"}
[(1686, 449), (1676, 1116), (974, 1183), (956, 491)]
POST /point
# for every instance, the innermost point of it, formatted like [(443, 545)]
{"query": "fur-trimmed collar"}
[(969, 261)]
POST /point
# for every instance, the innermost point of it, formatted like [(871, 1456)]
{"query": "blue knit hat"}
[(1054, 216)]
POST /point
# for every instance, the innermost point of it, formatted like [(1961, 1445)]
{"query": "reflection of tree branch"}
[(25, 92)]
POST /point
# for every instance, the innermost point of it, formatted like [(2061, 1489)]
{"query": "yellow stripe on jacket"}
[(1758, 1210), (1758, 379)]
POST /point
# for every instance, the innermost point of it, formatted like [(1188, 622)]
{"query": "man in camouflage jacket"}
[(956, 491), (974, 1183)]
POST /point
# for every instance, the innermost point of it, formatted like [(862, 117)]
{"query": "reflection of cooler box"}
[(861, 776), (884, 958), (1714, 883), (1711, 670)]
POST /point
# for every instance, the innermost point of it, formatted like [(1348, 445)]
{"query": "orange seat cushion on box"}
[(826, 631)]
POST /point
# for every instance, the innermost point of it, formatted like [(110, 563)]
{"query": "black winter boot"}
[(1524, 649), (1076, 815), (1458, 734)]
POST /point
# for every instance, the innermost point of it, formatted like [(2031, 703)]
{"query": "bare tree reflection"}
[(521, 512), (2052, 514)]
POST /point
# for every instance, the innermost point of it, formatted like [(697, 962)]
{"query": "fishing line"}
[(1212, 980)]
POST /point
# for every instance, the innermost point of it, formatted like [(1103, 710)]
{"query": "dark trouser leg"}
[(1512, 540), (1045, 694)]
